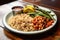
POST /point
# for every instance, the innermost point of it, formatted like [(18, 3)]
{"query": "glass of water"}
[(33, 1)]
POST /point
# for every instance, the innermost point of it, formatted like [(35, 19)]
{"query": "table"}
[(52, 34)]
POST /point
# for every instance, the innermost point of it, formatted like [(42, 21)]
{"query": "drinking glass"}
[(33, 1)]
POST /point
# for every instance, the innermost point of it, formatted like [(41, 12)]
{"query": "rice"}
[(21, 22)]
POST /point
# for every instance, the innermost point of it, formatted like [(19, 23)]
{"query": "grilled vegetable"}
[(45, 12), (38, 13)]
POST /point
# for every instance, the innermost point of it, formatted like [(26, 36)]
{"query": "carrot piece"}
[(49, 23)]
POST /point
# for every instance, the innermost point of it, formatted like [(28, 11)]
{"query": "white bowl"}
[(32, 32)]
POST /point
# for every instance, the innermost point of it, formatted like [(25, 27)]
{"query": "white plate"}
[(32, 32)]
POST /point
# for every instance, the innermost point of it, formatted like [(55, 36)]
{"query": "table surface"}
[(52, 34)]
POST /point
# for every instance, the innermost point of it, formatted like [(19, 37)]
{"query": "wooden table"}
[(52, 34)]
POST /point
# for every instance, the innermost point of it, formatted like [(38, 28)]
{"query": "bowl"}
[(5, 18)]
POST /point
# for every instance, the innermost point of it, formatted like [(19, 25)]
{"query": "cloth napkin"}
[(6, 8)]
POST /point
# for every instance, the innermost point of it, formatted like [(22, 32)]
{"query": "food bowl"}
[(5, 18)]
